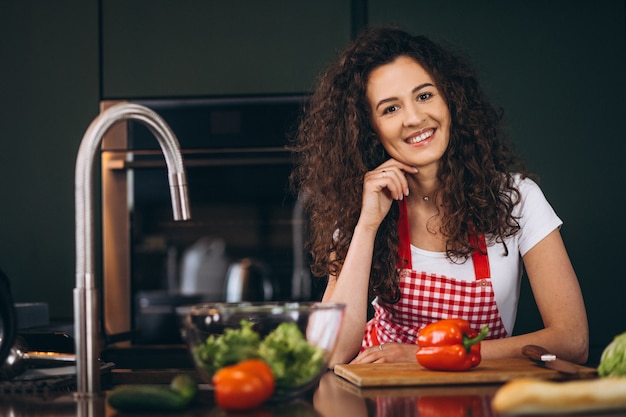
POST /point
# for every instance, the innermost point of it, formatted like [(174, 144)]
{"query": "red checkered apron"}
[(425, 298)]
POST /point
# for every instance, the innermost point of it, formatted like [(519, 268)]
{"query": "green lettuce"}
[(292, 359), (234, 346), (613, 359)]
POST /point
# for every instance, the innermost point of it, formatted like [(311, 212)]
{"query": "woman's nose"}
[(413, 115)]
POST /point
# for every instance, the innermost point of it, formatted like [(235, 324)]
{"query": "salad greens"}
[(234, 346), (293, 360), (613, 359)]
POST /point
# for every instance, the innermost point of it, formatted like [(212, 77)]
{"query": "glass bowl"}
[(295, 339)]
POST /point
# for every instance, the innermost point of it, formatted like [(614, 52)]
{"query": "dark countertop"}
[(334, 397)]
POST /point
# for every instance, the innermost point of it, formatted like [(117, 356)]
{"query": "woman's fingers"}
[(387, 352), (392, 178), (381, 186), (370, 355)]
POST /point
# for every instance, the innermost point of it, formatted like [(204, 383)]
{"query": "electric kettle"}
[(7, 318), (248, 280)]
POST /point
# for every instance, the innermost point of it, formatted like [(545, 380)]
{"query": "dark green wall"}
[(556, 67), (49, 95)]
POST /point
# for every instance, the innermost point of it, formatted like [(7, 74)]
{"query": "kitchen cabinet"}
[(162, 48)]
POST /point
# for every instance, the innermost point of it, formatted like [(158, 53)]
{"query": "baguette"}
[(536, 396)]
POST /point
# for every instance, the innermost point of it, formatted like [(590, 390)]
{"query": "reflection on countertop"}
[(334, 397), (60, 405), (338, 397)]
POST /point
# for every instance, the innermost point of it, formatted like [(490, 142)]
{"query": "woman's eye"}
[(390, 109), (424, 96)]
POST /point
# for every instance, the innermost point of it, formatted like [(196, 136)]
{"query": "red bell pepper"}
[(451, 406), (449, 345)]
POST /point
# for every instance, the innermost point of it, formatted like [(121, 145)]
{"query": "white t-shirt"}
[(537, 220)]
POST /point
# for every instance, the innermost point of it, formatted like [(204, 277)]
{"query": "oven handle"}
[(126, 159)]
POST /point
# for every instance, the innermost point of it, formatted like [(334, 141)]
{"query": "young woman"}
[(417, 202)]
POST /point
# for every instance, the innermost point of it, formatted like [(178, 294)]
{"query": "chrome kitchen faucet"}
[(86, 323)]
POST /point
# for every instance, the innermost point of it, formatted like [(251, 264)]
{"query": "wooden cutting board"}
[(489, 371)]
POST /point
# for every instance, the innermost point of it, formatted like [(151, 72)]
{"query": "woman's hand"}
[(387, 352), (381, 186)]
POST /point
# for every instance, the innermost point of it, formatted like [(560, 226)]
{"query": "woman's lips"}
[(420, 137)]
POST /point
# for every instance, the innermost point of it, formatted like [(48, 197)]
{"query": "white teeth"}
[(421, 137)]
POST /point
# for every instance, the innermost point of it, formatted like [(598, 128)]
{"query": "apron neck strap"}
[(480, 258), (404, 245)]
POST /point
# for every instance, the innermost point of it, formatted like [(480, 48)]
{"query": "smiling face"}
[(409, 113)]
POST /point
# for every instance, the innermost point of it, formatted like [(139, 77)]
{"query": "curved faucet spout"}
[(86, 313)]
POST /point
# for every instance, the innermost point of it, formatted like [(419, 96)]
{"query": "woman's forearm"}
[(570, 344), (559, 300), (351, 288)]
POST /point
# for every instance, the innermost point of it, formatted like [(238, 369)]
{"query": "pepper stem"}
[(468, 342)]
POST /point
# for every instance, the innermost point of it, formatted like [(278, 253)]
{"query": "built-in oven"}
[(245, 238)]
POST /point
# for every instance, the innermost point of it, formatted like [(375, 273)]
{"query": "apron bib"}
[(426, 298)]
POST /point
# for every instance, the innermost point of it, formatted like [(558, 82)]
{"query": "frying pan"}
[(7, 318)]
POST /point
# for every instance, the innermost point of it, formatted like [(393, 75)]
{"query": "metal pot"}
[(7, 318), (19, 358)]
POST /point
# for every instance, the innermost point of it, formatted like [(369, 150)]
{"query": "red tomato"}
[(243, 386), (262, 369)]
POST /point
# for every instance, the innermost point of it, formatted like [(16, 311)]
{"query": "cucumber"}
[(152, 397), (185, 386)]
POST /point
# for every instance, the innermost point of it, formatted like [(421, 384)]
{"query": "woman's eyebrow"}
[(424, 85), (416, 89)]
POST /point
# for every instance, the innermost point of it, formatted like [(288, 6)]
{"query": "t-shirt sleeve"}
[(538, 218)]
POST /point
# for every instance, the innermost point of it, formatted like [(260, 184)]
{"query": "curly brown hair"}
[(336, 145)]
